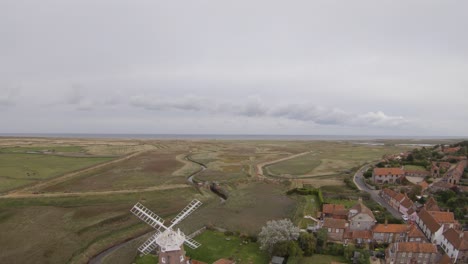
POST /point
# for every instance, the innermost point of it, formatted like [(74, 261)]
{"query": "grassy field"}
[(18, 169), (298, 166), (148, 169), (216, 245)]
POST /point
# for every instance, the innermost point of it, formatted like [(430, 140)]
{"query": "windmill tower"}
[(169, 241)]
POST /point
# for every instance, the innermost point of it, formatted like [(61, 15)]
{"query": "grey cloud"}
[(255, 107)]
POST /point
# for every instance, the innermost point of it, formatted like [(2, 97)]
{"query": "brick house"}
[(411, 252), (390, 233), (336, 211), (335, 228), (387, 175)]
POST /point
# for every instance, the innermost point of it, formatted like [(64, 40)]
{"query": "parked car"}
[(405, 217)]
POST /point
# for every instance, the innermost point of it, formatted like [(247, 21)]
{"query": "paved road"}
[(359, 181)]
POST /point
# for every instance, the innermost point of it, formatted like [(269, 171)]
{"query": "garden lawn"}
[(215, 245)]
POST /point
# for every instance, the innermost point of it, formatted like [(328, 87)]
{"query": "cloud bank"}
[(255, 107)]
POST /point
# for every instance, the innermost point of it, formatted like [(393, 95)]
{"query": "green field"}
[(216, 245), (19, 169), (298, 166)]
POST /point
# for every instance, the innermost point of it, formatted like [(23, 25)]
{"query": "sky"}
[(234, 67)]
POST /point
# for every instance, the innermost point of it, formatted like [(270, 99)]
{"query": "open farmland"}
[(71, 213)]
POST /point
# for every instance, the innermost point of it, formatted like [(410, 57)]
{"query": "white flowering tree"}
[(276, 231)]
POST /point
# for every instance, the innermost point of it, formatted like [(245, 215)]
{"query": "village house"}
[(455, 244), (446, 219), (358, 236), (410, 252), (440, 186), (387, 175), (415, 234), (336, 211), (454, 175), (390, 233), (429, 226), (360, 217), (399, 201), (335, 228)]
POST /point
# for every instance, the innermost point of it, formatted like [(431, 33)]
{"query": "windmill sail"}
[(149, 244), (146, 215), (193, 205)]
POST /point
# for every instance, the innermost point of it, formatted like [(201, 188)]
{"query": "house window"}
[(337, 231), (163, 260), (329, 230)]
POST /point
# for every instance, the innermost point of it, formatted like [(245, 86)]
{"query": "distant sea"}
[(222, 137)]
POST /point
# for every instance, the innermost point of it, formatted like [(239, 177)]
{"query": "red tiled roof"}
[(407, 203), (429, 220), (387, 171), (399, 197), (415, 247), (360, 234), (389, 192), (458, 239), (390, 228), (331, 208), (334, 223), (415, 232), (431, 205), (443, 217)]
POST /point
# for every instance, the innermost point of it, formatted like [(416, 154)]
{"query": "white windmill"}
[(169, 241)]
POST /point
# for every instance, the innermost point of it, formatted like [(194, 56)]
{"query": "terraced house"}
[(455, 244), (411, 252)]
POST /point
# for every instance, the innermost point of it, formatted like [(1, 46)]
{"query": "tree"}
[(307, 242), (322, 236), (415, 190), (276, 231)]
